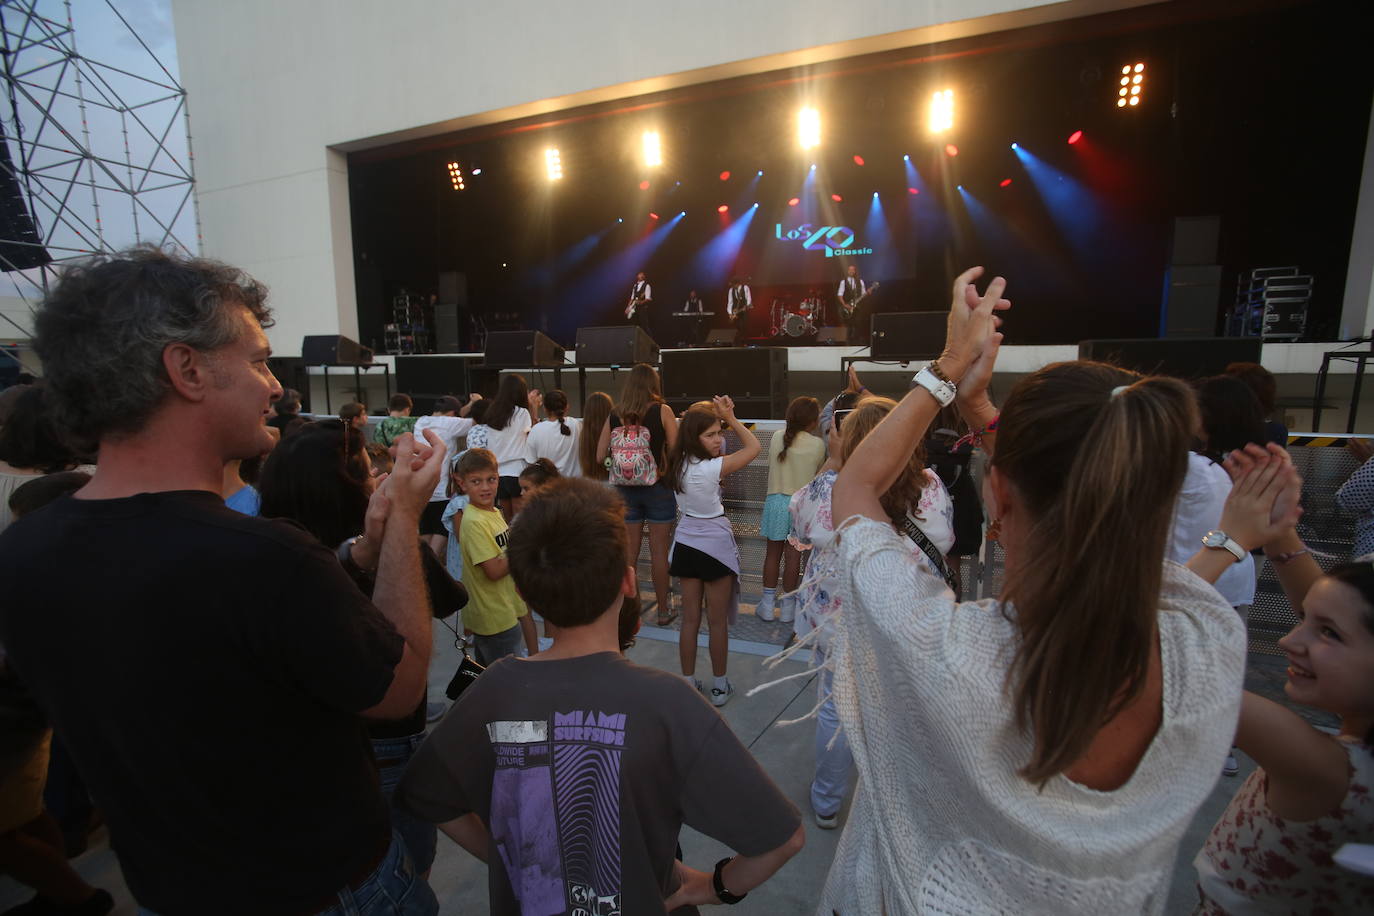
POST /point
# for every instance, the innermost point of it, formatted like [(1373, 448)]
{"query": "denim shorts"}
[(655, 503)]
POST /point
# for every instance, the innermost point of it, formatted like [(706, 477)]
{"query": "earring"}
[(995, 531)]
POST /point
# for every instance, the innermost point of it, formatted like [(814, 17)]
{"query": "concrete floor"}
[(784, 751)]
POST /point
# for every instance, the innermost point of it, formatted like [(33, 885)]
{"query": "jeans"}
[(420, 837), (831, 782), (498, 645), (394, 889)]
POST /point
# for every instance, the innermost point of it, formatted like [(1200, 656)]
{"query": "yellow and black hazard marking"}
[(1320, 441)]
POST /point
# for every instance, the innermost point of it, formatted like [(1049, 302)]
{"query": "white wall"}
[(274, 84)]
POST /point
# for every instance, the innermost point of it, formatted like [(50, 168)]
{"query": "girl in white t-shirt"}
[(556, 438), (704, 556), (508, 420)]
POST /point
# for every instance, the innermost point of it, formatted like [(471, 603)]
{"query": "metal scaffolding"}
[(100, 151)]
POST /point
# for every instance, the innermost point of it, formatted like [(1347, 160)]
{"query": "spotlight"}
[(858, 160), (836, 198), (809, 128), (653, 215), (620, 219), (760, 175), (913, 190), (723, 208), (553, 163), (644, 185), (455, 175), (941, 111), (756, 205), (653, 149), (958, 187), (906, 158), (682, 213), (794, 201), (1016, 146), (1004, 183), (476, 171), (951, 149), (1075, 137), (1131, 86), (725, 176)]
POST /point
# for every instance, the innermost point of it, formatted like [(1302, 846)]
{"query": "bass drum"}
[(798, 325)]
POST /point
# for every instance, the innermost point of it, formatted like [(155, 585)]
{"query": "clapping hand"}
[(971, 332), (1265, 495), (415, 474), (725, 407)]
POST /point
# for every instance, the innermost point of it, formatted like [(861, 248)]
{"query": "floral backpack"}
[(631, 462)]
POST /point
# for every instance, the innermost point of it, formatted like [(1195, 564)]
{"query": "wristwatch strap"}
[(941, 389), (718, 884)]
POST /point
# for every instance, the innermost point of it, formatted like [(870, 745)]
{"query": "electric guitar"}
[(634, 307), (745, 306), (849, 308)]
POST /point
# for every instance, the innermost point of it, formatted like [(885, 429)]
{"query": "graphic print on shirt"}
[(555, 811)]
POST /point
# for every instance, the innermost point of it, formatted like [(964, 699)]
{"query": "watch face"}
[(1214, 539)]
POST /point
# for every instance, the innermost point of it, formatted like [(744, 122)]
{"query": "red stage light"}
[(724, 176), (1005, 183), (723, 208), (836, 198), (951, 149), (1075, 137), (794, 201), (653, 216), (644, 185), (858, 160), (913, 190)]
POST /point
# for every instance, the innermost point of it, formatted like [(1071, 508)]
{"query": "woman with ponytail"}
[(795, 454), (556, 438), (1043, 751)]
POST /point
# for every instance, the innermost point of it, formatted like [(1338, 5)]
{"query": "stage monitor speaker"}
[(618, 346), (721, 337), (446, 328), (1191, 300), (290, 373), (428, 378), (522, 350), (756, 378), (334, 350), (1192, 358), (833, 335), (908, 335)]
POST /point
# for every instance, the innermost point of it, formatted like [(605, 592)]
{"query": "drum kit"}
[(801, 319)]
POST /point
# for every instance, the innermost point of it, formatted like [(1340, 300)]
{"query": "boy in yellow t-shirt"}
[(494, 611)]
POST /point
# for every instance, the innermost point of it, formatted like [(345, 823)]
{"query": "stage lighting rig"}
[(1131, 87), (553, 163), (941, 116), (455, 175), (653, 149), (809, 128)]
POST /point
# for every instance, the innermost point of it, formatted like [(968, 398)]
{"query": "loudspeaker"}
[(522, 350), (833, 335), (453, 288), (428, 378), (755, 378), (1195, 239), (722, 337), (620, 346), (908, 335), (290, 372), (22, 246), (446, 328), (1180, 358), (1191, 300), (334, 350)]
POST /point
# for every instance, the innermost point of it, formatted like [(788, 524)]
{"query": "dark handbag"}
[(467, 672)]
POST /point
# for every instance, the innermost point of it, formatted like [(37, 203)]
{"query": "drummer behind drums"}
[(738, 302)]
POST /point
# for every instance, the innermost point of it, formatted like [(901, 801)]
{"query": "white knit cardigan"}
[(942, 823)]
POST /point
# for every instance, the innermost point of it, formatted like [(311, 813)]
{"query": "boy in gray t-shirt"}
[(572, 772)]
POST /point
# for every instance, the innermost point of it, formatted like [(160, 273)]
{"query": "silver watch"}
[(943, 391), (1220, 540)]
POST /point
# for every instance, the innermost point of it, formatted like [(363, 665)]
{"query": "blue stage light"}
[(813, 166), (906, 158), (760, 173), (756, 203), (1015, 146), (620, 220), (875, 193)]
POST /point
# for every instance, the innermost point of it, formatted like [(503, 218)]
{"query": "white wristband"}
[(941, 390)]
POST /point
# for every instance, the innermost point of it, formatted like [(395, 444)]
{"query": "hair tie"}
[(1116, 392)]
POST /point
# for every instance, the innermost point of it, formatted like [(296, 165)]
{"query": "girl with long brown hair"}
[(1046, 749), (794, 457), (594, 413), (643, 430)]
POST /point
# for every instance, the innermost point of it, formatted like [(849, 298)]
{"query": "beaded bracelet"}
[(976, 438)]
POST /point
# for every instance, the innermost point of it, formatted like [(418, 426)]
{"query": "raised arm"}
[(1262, 507), (1308, 770), (971, 335), (749, 443)]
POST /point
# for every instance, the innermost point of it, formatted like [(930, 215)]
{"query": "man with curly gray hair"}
[(208, 670)]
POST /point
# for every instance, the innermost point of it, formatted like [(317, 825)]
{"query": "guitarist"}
[(738, 302), (851, 294), (641, 297)]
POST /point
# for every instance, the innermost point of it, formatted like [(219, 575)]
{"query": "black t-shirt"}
[(584, 771), (205, 669)]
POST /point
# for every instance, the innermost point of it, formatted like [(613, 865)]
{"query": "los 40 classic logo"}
[(835, 241)]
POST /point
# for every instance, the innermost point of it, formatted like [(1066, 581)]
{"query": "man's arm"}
[(740, 875), (400, 592)]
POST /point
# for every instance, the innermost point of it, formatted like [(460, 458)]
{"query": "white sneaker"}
[(721, 697), (827, 821), (1230, 767), (764, 609), (787, 608)]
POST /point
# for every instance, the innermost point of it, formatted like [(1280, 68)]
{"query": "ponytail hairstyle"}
[(695, 421), (1359, 575), (512, 394), (1093, 462), (594, 414), (541, 472), (802, 414), (556, 406), (904, 496), (639, 394)]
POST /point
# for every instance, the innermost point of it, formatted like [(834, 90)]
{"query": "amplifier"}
[(522, 350), (618, 346), (334, 350)]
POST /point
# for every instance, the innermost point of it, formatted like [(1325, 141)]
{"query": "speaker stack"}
[(755, 378), (907, 336), (615, 346), (522, 350)]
